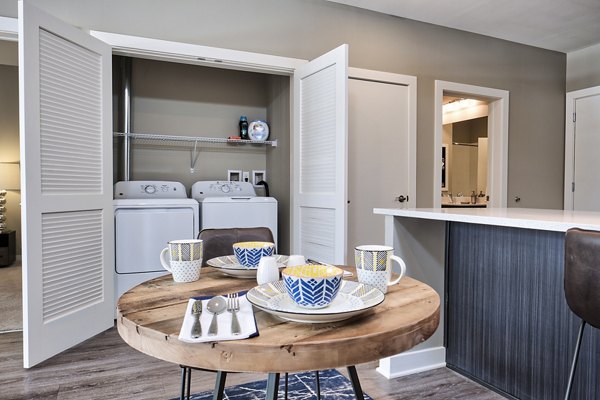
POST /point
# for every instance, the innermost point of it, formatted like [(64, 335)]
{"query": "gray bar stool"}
[(582, 284)]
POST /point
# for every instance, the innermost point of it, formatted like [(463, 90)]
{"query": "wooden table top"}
[(150, 317)]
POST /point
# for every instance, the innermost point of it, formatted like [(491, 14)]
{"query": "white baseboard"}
[(412, 362)]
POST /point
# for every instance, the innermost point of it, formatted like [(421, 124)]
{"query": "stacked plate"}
[(353, 298), (229, 265)]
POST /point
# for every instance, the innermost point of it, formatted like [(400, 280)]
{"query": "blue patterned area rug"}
[(302, 386)]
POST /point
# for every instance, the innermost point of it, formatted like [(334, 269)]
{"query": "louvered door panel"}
[(72, 261), (318, 140), (66, 156), (317, 233), (319, 158), (70, 117)]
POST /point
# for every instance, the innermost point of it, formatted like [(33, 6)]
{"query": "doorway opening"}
[(482, 145), (464, 152), (10, 192)]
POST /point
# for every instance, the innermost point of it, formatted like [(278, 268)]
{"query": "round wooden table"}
[(150, 317)]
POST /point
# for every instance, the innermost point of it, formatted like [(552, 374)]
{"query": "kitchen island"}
[(505, 322)]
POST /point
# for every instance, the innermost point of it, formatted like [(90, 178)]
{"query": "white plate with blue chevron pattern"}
[(229, 265), (353, 298)]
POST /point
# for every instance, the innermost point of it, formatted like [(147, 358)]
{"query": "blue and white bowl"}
[(249, 254), (312, 286)]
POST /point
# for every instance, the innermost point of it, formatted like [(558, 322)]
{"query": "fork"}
[(196, 311), (233, 306)]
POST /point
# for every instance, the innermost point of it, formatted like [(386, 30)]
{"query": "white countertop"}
[(528, 218)]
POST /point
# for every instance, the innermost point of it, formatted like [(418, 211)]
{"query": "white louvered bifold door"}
[(66, 166), (319, 166)]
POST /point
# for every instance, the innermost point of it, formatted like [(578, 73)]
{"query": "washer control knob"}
[(225, 188), (150, 189)]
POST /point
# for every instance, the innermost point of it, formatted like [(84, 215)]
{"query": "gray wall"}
[(305, 29), (583, 68)]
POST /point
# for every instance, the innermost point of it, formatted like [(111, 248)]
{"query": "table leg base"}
[(272, 384), (219, 385), (355, 383)]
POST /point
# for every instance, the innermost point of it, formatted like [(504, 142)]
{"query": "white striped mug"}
[(183, 258), (374, 266)]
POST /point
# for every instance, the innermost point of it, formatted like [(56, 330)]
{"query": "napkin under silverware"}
[(245, 316)]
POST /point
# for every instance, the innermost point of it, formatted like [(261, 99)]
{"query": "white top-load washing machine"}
[(148, 214), (227, 204)]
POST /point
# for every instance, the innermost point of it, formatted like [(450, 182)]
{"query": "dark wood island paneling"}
[(507, 323)]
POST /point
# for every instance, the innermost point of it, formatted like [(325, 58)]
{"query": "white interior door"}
[(66, 163), (381, 146), (319, 158), (586, 193)]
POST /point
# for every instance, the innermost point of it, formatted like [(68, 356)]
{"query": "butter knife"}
[(196, 311)]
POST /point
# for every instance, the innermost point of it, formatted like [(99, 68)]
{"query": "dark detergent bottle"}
[(244, 127)]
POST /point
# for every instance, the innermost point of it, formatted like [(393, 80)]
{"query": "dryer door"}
[(141, 234)]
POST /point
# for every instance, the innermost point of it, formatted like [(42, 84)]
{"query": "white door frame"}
[(188, 53), (9, 29), (571, 98), (497, 134), (411, 83)]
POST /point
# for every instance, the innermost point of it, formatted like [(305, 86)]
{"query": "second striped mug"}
[(374, 266)]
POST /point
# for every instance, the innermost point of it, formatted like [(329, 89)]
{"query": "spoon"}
[(216, 306)]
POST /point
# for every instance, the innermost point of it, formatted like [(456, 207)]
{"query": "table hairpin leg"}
[(355, 382), (186, 374), (318, 385), (189, 382), (272, 386), (285, 392), (219, 385)]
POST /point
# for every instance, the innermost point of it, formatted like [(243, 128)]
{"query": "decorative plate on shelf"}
[(353, 298), (258, 130), (229, 265)]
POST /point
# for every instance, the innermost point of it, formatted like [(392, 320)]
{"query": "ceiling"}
[(560, 25)]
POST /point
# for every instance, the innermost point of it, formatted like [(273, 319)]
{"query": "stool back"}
[(582, 274), (219, 242)]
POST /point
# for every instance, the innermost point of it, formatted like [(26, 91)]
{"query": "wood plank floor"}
[(104, 367)]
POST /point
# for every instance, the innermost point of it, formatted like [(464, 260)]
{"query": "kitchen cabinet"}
[(505, 322), (508, 323)]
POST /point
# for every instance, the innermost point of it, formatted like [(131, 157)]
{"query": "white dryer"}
[(227, 204), (148, 214)]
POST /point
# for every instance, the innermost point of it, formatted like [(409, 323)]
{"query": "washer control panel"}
[(203, 189), (149, 190)]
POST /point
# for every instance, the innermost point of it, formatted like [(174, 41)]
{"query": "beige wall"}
[(583, 68), (9, 135), (278, 158), (305, 29), (9, 53), (187, 100)]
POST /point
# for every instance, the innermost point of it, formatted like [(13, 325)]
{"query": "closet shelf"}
[(179, 140)]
